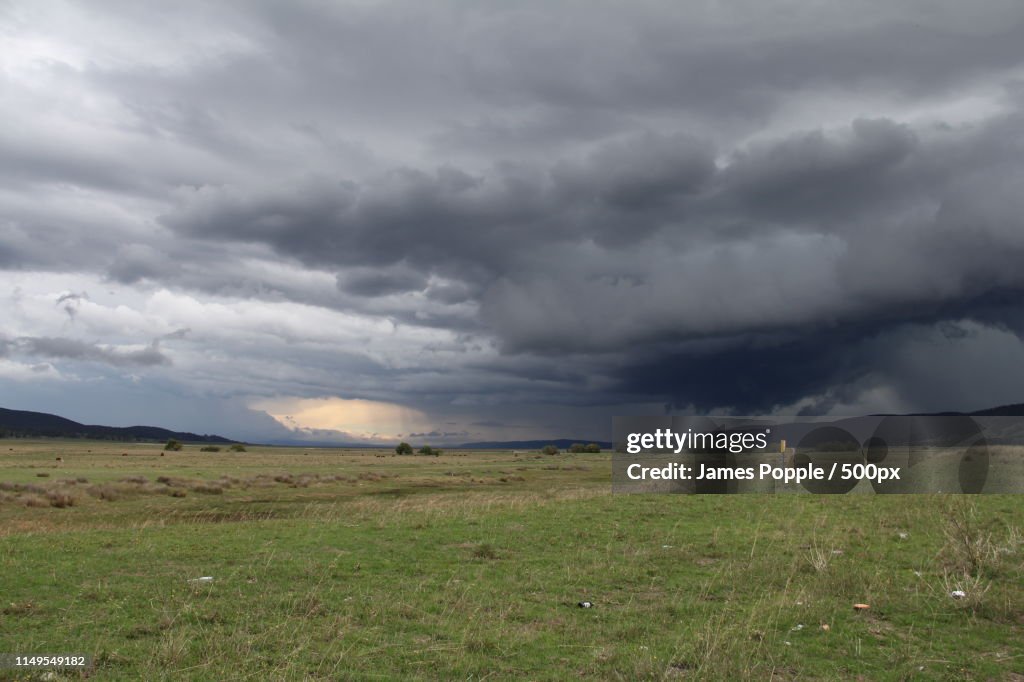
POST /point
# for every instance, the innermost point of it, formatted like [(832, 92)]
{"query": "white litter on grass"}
[(203, 579), (798, 628), (585, 605), (904, 536), (957, 594), (666, 546)]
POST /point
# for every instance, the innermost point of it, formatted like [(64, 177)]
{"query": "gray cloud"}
[(844, 197), (70, 301), (374, 282), (720, 207), (73, 349)]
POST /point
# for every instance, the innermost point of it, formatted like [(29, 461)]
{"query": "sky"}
[(458, 221)]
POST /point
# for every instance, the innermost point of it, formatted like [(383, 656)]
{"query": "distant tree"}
[(550, 450), (577, 448), (428, 451), (209, 448), (403, 448), (173, 444), (592, 447), (237, 447)]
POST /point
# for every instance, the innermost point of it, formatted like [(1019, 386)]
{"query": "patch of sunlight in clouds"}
[(369, 419)]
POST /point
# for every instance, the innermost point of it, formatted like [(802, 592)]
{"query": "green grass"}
[(470, 566)]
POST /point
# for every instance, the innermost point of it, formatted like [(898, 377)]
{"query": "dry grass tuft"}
[(107, 493), (22, 488), (969, 549), (819, 558), (967, 590), (485, 550), (60, 499), (33, 500)]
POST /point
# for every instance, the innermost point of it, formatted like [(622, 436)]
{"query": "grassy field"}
[(334, 564)]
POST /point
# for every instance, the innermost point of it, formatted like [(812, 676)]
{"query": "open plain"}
[(342, 564)]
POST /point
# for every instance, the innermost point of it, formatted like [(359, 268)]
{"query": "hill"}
[(25, 424)]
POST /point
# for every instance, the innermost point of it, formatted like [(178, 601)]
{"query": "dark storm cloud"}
[(810, 176), (438, 217), (752, 373), (703, 205), (871, 185), (865, 227), (375, 282), (455, 222), (629, 244), (449, 293), (73, 349), (134, 262), (832, 364)]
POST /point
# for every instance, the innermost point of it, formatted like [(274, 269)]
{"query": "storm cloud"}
[(534, 213), (73, 349)]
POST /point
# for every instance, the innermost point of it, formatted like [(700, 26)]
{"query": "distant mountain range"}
[(1015, 410), (24, 424)]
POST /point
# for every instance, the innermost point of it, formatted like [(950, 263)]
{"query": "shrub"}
[(593, 447), (60, 499), (22, 488), (549, 450), (237, 447), (104, 492), (577, 448), (209, 448), (428, 451), (403, 448), (173, 444)]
